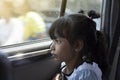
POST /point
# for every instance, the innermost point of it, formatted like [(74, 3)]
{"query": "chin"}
[(57, 59)]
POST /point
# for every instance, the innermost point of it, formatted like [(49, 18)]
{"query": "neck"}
[(71, 65)]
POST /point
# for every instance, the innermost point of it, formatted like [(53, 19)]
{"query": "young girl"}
[(77, 43)]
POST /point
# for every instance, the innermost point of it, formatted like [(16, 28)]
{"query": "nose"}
[(52, 46)]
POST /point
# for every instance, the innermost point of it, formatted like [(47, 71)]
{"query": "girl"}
[(77, 43)]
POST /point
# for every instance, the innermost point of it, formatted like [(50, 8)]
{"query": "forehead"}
[(56, 35)]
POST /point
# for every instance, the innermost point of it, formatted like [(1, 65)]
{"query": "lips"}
[(54, 55)]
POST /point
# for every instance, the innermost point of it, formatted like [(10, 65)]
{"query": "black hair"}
[(81, 11), (76, 27), (93, 14)]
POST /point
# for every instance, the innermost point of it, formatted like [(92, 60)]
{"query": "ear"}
[(79, 45)]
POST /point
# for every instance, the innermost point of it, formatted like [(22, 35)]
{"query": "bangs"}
[(60, 28)]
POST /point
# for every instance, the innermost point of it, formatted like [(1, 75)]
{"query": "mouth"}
[(54, 55)]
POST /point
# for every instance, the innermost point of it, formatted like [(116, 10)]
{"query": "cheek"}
[(64, 53)]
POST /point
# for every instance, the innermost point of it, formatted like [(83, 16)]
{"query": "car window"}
[(28, 20), (84, 6)]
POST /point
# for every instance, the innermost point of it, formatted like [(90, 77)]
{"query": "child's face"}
[(62, 50)]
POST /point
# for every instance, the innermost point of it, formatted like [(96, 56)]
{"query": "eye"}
[(58, 41)]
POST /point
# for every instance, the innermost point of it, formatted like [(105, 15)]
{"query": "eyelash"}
[(57, 41)]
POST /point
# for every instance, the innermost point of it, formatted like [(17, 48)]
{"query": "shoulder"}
[(86, 74)]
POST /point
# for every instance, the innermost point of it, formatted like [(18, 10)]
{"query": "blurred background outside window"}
[(26, 20)]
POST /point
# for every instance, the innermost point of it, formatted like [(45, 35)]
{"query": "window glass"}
[(86, 6), (26, 20)]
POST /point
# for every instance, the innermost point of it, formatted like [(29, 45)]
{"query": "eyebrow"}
[(56, 35)]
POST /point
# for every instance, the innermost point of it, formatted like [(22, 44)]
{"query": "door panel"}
[(41, 67)]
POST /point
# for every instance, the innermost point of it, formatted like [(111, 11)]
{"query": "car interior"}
[(37, 63)]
